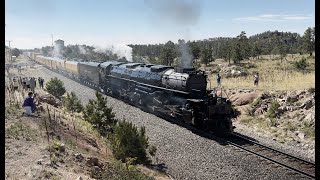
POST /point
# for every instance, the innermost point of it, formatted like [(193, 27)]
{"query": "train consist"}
[(177, 93)]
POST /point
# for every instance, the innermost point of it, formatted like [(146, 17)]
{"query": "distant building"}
[(59, 42), (58, 47), (8, 54)]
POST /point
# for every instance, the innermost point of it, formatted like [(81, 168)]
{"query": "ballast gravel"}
[(183, 154)]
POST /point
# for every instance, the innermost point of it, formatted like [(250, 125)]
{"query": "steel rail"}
[(270, 159)]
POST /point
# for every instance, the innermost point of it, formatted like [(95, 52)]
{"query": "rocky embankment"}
[(285, 119)]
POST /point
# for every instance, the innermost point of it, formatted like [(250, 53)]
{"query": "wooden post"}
[(59, 123), (48, 135), (54, 119), (74, 127), (49, 114)]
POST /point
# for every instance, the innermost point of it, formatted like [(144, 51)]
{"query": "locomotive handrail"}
[(162, 88)]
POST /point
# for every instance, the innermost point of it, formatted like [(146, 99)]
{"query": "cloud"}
[(275, 17)]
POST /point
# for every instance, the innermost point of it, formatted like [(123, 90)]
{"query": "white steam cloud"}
[(121, 50), (57, 51), (82, 49)]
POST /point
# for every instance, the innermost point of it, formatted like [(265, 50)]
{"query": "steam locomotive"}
[(177, 93)]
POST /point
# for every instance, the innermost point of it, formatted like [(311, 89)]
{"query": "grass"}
[(290, 126), (308, 129), (255, 121), (55, 148), (19, 130), (119, 170), (273, 75)]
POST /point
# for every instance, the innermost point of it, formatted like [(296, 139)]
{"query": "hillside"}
[(281, 107), (57, 144)]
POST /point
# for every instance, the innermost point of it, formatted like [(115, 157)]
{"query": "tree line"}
[(229, 48), (81, 52), (232, 49)]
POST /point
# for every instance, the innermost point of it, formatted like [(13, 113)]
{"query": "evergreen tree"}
[(55, 87), (73, 103), (308, 40), (100, 115), (206, 55), (129, 142), (236, 53), (195, 50), (168, 53)]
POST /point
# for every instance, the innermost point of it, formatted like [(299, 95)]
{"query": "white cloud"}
[(275, 17)]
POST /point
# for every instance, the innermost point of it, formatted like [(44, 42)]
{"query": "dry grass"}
[(273, 75)]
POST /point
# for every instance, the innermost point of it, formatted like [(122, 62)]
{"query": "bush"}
[(73, 103), (55, 87), (119, 170), (273, 109), (152, 150), (308, 129), (311, 90), (301, 64), (128, 142), (100, 115)]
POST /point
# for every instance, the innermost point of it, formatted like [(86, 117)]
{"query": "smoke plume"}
[(180, 13), (185, 60), (120, 49)]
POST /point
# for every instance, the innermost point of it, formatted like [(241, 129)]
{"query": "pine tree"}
[(168, 53), (73, 103), (100, 115), (55, 87), (129, 142), (308, 41), (206, 55)]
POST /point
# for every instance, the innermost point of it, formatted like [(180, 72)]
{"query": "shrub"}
[(119, 170), (308, 129), (100, 115), (273, 109), (152, 150), (55, 87), (301, 64), (256, 103), (311, 90), (73, 103), (129, 142)]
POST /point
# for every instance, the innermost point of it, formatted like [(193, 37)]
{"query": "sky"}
[(32, 23)]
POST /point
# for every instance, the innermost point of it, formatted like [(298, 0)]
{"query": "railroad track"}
[(295, 164)]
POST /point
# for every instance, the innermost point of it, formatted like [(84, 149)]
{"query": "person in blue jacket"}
[(28, 104)]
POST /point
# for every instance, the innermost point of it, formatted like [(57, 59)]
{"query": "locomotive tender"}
[(177, 93)]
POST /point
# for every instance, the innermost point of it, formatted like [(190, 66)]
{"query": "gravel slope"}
[(185, 154)]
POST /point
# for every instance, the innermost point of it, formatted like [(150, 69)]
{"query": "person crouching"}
[(28, 104)]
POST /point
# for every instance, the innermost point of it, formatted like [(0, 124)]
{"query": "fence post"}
[(48, 135)]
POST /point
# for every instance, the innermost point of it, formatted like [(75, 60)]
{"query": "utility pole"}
[(10, 52), (52, 46), (52, 39)]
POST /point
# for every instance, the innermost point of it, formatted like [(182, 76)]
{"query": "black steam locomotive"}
[(177, 93)]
